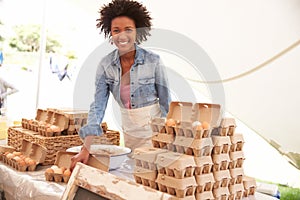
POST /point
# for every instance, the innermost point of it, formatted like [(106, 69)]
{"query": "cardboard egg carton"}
[(21, 159), (236, 192), (222, 178), (175, 165), (221, 162), (205, 182), (237, 159), (188, 129), (204, 165), (63, 159), (249, 186), (178, 111), (191, 146), (158, 125), (221, 193), (163, 141), (237, 142), (221, 144), (226, 128), (145, 177), (4, 149), (145, 157), (207, 195), (180, 188), (207, 112), (237, 175)]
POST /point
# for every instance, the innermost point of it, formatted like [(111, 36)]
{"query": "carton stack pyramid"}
[(194, 155)]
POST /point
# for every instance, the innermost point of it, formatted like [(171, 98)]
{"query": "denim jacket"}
[(148, 85)]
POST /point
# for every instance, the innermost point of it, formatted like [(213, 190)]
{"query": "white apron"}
[(135, 124)]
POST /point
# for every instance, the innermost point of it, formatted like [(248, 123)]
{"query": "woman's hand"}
[(82, 156)]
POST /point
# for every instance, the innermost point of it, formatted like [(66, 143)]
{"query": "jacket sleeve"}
[(97, 107), (162, 87)]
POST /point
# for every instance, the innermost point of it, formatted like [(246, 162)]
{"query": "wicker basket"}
[(16, 134)]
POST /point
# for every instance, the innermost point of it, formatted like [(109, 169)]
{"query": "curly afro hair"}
[(132, 9)]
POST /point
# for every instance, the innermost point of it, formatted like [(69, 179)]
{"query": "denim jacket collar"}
[(139, 56)]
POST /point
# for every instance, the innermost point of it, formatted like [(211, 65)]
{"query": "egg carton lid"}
[(63, 159), (207, 112), (33, 151), (226, 122), (173, 182), (60, 120), (218, 192), (180, 111), (220, 140), (237, 137), (208, 195), (148, 154), (219, 175), (174, 160), (6, 148), (145, 173), (41, 115), (236, 155), (233, 189), (205, 178), (249, 182), (218, 158), (203, 160), (236, 172), (163, 137)]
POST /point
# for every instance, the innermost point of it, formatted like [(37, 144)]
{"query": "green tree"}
[(27, 39)]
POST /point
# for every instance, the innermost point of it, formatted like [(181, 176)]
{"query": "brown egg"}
[(54, 167), (205, 125), (67, 172), (31, 162), (63, 169), (170, 122), (55, 128), (58, 171), (22, 163), (16, 153), (49, 170), (10, 155)]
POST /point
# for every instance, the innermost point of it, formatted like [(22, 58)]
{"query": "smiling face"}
[(123, 33)]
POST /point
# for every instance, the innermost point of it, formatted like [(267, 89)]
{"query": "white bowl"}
[(117, 153)]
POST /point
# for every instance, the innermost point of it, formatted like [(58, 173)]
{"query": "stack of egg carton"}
[(192, 163), (239, 184)]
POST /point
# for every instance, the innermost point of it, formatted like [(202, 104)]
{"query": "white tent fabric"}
[(237, 36)]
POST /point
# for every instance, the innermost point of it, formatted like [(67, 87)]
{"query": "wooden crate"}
[(90, 183), (16, 134)]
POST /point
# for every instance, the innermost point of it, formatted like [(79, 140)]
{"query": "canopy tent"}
[(252, 45)]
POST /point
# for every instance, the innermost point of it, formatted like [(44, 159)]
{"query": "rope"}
[(272, 59)]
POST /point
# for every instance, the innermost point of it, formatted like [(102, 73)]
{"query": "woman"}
[(136, 77)]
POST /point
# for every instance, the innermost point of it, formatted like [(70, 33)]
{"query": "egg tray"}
[(51, 144), (180, 188), (249, 184), (237, 142), (222, 178), (204, 165), (236, 192), (145, 157), (175, 165), (207, 195), (110, 137), (221, 144), (237, 159), (43, 130), (158, 125), (4, 149), (194, 147), (205, 182), (221, 162), (145, 177), (221, 193), (237, 176), (33, 151), (163, 141), (187, 130)]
